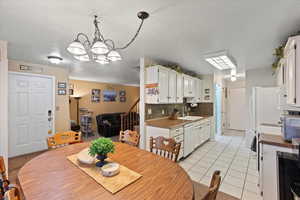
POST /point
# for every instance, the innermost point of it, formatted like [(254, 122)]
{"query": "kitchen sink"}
[(190, 118)]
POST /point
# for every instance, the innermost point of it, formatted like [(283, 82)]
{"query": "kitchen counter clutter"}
[(275, 140), (190, 133)]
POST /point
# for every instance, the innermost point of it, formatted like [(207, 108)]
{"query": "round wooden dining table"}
[(51, 176)]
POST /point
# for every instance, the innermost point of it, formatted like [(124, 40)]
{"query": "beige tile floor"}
[(229, 154)]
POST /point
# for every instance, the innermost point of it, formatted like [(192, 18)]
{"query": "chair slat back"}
[(64, 138), (130, 137), (13, 194), (165, 147), (2, 169), (3, 177), (214, 187)]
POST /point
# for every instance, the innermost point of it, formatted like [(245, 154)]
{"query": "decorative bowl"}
[(110, 169), (84, 157)]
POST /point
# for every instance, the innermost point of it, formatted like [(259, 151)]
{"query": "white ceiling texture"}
[(179, 31)]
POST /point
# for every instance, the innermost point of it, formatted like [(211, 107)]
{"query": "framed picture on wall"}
[(61, 91), (122, 99), (62, 85), (109, 95), (95, 96), (122, 93)]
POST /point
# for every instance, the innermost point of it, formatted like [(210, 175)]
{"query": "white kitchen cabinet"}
[(268, 173), (207, 91), (198, 95), (292, 60), (161, 85), (197, 91), (163, 82), (179, 88), (189, 133), (189, 86), (172, 87), (193, 86), (196, 134)]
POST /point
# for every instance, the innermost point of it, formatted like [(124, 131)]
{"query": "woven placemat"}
[(112, 184)]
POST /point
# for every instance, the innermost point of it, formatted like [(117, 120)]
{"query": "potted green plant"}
[(100, 148)]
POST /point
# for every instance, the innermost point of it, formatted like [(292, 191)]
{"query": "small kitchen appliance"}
[(290, 127)]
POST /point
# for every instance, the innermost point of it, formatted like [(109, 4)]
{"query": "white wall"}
[(3, 100), (235, 84)]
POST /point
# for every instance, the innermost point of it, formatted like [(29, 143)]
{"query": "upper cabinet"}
[(161, 85), (292, 71), (198, 95), (164, 85), (179, 88), (189, 86), (207, 91), (172, 86)]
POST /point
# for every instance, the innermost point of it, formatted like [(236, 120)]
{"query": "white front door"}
[(30, 113)]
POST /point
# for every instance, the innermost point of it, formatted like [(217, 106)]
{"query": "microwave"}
[(290, 127)]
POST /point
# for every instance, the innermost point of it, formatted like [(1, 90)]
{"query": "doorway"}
[(218, 109), (237, 110), (31, 112)]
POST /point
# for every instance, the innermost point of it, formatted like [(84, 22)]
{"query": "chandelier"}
[(100, 49)]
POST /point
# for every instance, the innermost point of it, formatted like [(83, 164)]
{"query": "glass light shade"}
[(99, 48), (233, 78), (55, 59), (102, 59), (84, 58), (114, 56), (76, 48)]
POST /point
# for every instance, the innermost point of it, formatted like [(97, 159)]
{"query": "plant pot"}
[(101, 161)]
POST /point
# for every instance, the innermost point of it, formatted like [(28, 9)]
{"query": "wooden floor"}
[(15, 164)]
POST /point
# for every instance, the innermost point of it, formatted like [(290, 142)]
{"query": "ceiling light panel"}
[(221, 60)]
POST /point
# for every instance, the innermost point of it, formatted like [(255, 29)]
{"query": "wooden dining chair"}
[(130, 137), (214, 187), (63, 139), (3, 177), (166, 147), (13, 194)]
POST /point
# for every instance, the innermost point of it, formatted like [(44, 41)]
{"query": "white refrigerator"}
[(265, 112)]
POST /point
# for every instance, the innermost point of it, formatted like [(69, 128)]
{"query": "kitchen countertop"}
[(169, 123), (273, 125), (275, 140)]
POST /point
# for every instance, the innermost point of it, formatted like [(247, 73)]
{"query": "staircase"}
[(131, 119)]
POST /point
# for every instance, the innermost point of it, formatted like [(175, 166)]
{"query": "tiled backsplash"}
[(163, 110), (204, 109)]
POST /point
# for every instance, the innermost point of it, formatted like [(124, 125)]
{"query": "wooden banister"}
[(131, 118), (134, 106)]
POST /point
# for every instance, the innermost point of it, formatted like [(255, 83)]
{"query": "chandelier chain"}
[(134, 37)]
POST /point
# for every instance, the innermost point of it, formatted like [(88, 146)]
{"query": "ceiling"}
[(177, 31)]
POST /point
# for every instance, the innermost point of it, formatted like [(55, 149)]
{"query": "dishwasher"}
[(188, 139)]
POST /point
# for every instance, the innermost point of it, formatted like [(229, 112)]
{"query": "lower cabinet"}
[(195, 134), (268, 172)]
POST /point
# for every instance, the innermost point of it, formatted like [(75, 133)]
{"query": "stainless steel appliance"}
[(290, 127)]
